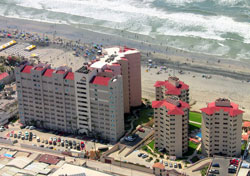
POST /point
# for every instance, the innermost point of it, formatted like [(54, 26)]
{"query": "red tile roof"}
[(233, 110), (70, 76), (116, 64), (3, 75), (49, 159), (248, 133), (172, 89), (27, 69), (60, 72), (245, 137), (159, 165), (172, 109), (100, 80), (39, 68), (194, 140), (48, 72), (246, 124), (107, 70)]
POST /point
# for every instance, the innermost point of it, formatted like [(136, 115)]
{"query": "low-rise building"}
[(221, 128)]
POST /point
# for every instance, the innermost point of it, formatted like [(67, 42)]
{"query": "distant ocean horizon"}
[(214, 27)]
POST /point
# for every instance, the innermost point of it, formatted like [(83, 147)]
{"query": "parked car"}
[(78, 148), (15, 135), (70, 142), (22, 127), (166, 163), (54, 142), (51, 147), (27, 127), (31, 127), (41, 146), (11, 135), (170, 165), (215, 165), (46, 141), (144, 156), (141, 130), (214, 171), (38, 139), (22, 137), (140, 154), (179, 165), (62, 144), (175, 165), (131, 138)]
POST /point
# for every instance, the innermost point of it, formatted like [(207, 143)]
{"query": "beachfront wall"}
[(221, 129)]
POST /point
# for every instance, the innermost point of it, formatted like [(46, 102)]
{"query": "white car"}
[(31, 127)]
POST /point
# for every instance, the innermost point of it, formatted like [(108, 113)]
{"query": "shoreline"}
[(183, 59), (229, 77)]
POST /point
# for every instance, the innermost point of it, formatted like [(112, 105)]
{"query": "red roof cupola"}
[(224, 105), (174, 107), (173, 86)]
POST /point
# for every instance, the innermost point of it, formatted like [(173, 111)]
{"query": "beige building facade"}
[(171, 126), (221, 128), (172, 87), (46, 97), (92, 100), (126, 62)]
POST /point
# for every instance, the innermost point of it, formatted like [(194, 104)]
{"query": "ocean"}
[(215, 27)]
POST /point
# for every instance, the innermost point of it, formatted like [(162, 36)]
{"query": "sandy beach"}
[(229, 78)]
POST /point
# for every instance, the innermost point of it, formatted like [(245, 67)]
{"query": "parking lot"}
[(223, 164), (50, 139), (142, 158), (140, 135)]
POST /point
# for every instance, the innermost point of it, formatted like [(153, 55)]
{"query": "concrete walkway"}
[(198, 123), (194, 154)]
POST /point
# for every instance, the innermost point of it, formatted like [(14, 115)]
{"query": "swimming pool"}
[(199, 134)]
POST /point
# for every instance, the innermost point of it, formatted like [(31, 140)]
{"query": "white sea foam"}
[(131, 13), (139, 16)]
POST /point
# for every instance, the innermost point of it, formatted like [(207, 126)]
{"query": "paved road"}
[(115, 169), (90, 163)]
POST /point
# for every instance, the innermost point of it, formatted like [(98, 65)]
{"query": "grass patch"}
[(191, 148), (146, 149), (243, 147), (194, 159), (195, 116), (192, 126), (204, 171), (145, 115), (152, 144)]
